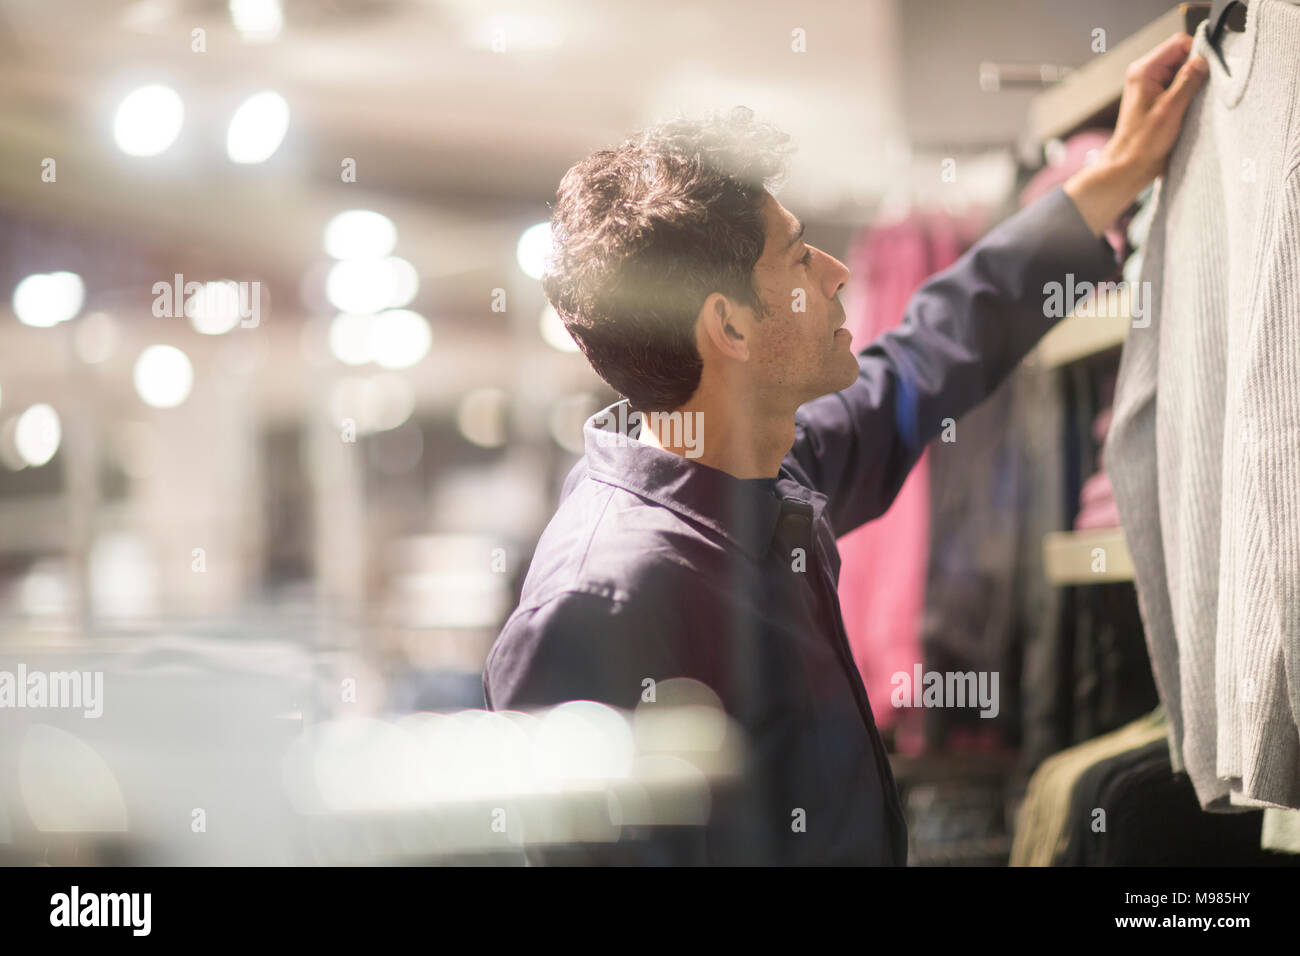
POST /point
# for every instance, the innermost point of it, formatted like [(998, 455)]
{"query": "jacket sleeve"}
[(962, 334), (576, 646)]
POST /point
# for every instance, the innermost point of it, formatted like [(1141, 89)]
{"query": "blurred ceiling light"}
[(481, 417), (405, 282), (377, 403), (554, 333), (257, 128), (148, 15), (123, 576), (37, 434), (148, 121), (399, 338), (360, 234), (533, 250), (43, 591), (361, 285), (163, 376), (257, 20), (505, 32), (394, 338), (349, 338), (46, 299), (215, 310), (95, 338)]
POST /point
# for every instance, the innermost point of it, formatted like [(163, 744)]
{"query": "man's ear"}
[(724, 329)]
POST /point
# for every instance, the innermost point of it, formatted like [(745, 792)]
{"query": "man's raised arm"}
[(968, 326)]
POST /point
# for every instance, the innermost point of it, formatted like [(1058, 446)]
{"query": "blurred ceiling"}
[(462, 115), (460, 144)]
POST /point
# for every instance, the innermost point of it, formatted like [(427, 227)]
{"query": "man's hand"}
[(1157, 89)]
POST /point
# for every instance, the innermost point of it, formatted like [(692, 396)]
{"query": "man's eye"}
[(806, 258)]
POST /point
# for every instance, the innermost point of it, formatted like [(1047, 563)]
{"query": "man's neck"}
[(741, 441)]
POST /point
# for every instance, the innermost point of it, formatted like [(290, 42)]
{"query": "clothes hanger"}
[(1225, 15)]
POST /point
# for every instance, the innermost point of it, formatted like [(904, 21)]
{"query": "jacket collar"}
[(745, 511)]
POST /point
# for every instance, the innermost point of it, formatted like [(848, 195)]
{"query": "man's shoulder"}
[(581, 643), (607, 543), (615, 586)]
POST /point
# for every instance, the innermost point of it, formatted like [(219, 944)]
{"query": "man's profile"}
[(693, 292)]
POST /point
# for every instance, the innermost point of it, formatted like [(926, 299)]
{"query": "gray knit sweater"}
[(1204, 445)]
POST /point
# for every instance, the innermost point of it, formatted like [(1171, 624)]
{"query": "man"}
[(700, 542)]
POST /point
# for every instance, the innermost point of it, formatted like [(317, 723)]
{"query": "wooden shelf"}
[(1090, 95), (1078, 336), (1095, 556)]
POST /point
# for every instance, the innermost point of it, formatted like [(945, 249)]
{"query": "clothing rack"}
[(995, 77)]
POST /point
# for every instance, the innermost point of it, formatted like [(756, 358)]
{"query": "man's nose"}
[(837, 275)]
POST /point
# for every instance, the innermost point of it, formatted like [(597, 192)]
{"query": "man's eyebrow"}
[(796, 237)]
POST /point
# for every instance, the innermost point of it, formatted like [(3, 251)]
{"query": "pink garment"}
[(1075, 158), (1097, 508), (884, 563)]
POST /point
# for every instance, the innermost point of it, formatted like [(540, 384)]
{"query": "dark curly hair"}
[(643, 233)]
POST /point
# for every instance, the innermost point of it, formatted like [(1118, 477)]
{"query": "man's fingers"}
[(1165, 59), (1154, 72), (1172, 103)]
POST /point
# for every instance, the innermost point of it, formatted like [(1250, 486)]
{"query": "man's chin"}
[(850, 374), (837, 377), (837, 382)]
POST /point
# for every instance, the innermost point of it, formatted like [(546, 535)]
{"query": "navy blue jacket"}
[(655, 566)]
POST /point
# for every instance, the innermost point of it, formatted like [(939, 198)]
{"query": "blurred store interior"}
[(306, 499)]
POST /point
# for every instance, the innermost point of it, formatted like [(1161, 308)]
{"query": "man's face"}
[(801, 351)]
